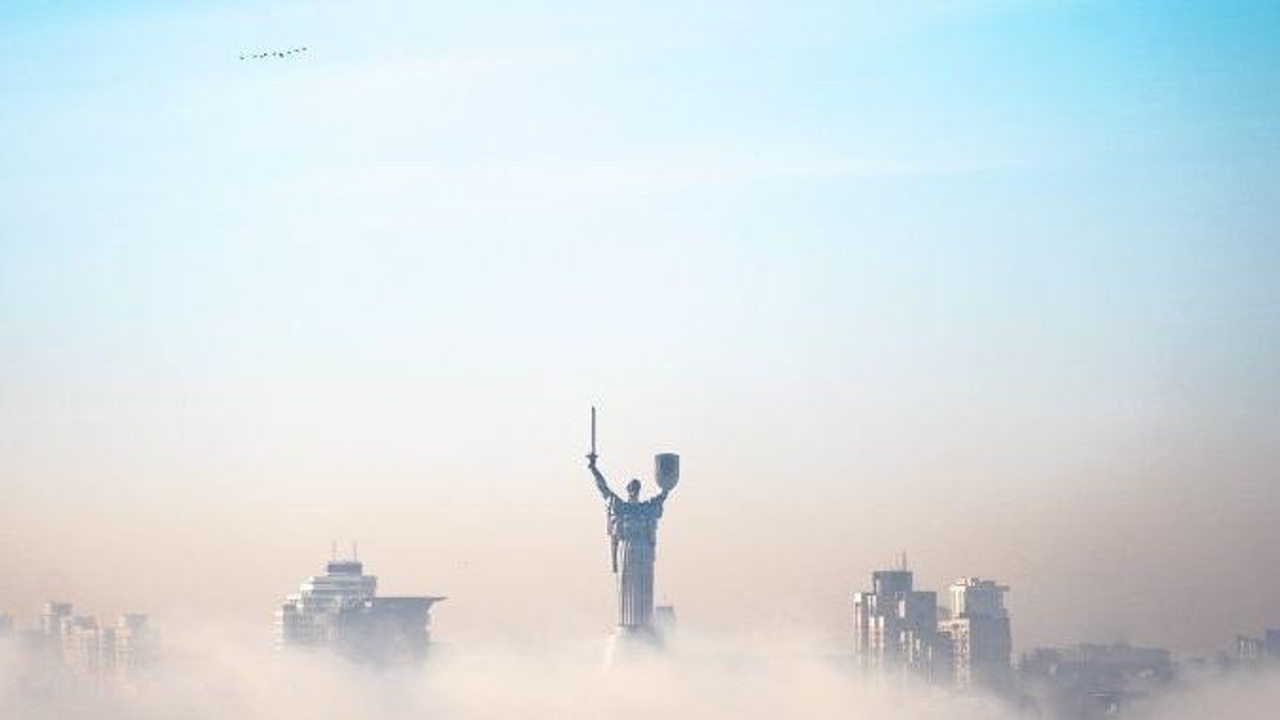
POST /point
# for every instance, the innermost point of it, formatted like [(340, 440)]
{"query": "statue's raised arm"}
[(601, 484)]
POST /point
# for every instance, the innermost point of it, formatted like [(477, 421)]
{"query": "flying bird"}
[(274, 54)]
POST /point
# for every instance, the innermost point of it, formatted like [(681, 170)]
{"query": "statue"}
[(633, 535)]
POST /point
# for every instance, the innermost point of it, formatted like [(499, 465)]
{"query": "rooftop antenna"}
[(355, 555), (902, 565), (333, 551)]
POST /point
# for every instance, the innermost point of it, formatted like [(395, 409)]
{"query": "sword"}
[(613, 539), (593, 433)]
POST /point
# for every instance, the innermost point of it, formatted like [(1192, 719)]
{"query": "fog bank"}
[(212, 673)]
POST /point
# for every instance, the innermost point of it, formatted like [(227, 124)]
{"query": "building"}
[(340, 610), (51, 616), (80, 642), (1250, 651), (133, 646), (1256, 652), (108, 653), (664, 621), (977, 636), (895, 626), (1088, 681), (309, 617), (80, 648)]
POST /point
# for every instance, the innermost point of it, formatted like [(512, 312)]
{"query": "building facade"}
[(901, 631), (51, 616), (341, 611), (977, 637), (895, 626), (1258, 651), (114, 656), (1094, 681)]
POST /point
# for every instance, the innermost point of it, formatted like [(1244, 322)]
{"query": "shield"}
[(666, 469)]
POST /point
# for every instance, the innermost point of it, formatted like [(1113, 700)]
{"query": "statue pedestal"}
[(629, 645)]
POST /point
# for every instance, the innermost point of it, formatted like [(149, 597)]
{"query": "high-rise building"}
[(133, 648), (895, 626), (80, 640), (310, 616), (107, 655), (51, 616), (977, 636), (1258, 651), (340, 610), (1249, 650)]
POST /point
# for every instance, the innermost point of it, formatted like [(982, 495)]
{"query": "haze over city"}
[(994, 283)]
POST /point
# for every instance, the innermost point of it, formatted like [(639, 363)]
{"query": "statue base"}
[(632, 644)]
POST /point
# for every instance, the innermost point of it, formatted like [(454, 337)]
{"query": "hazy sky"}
[(995, 283)]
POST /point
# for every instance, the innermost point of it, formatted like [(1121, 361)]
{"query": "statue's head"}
[(633, 489)]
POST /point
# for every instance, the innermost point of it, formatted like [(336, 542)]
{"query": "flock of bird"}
[(274, 54)]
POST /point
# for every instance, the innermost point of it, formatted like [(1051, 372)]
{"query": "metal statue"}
[(633, 535)]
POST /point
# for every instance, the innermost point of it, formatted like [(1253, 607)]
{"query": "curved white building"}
[(341, 610)]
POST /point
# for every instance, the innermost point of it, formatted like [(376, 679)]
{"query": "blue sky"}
[(991, 245)]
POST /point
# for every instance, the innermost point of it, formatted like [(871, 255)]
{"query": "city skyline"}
[(922, 621), (897, 627), (991, 282)]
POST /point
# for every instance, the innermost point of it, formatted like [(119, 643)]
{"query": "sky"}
[(995, 283)]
